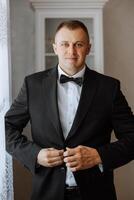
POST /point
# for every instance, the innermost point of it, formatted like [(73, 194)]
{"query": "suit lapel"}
[(86, 99), (50, 96)]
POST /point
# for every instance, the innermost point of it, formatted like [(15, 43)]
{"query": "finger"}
[(72, 164), (69, 152), (74, 169), (54, 153), (57, 163), (61, 152), (55, 159), (53, 149), (52, 161), (50, 149), (70, 159)]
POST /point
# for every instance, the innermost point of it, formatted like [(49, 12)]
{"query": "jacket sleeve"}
[(17, 144), (120, 152)]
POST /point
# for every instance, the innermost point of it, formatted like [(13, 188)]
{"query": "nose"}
[(71, 49)]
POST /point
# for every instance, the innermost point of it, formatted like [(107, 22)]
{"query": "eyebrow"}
[(74, 42)]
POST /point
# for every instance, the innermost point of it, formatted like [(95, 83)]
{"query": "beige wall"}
[(119, 63), (23, 62), (22, 41)]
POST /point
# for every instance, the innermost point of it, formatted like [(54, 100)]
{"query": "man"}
[(72, 111)]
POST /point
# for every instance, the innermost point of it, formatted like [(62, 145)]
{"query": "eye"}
[(64, 44), (79, 45)]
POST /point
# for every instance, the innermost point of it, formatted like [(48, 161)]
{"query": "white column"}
[(6, 186)]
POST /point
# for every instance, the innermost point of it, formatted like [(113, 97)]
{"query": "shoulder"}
[(104, 79), (39, 76)]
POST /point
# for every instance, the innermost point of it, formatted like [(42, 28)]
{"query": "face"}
[(71, 47)]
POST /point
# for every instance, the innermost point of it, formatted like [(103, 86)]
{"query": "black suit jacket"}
[(102, 108)]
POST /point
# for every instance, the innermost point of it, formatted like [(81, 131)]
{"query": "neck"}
[(71, 71)]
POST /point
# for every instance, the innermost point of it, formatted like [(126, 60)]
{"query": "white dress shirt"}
[(68, 100)]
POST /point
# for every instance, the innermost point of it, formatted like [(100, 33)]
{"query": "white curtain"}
[(6, 179)]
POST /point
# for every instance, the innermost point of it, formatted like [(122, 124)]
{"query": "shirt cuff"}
[(101, 168)]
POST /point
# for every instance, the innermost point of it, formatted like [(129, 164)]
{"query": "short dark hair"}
[(72, 25)]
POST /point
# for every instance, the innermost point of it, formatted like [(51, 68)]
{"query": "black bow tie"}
[(64, 79)]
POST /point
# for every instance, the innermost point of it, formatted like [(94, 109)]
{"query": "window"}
[(6, 180)]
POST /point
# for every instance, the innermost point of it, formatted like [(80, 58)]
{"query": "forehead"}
[(65, 34)]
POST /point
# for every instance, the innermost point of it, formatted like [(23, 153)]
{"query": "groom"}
[(72, 111)]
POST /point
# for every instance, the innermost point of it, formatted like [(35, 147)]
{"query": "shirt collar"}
[(78, 74)]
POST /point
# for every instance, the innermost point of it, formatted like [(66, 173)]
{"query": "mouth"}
[(73, 58)]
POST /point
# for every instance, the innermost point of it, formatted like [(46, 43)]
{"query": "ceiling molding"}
[(92, 4)]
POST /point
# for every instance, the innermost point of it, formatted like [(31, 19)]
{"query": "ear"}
[(55, 48), (89, 48)]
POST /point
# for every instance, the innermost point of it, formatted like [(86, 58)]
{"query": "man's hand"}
[(81, 157), (50, 157)]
